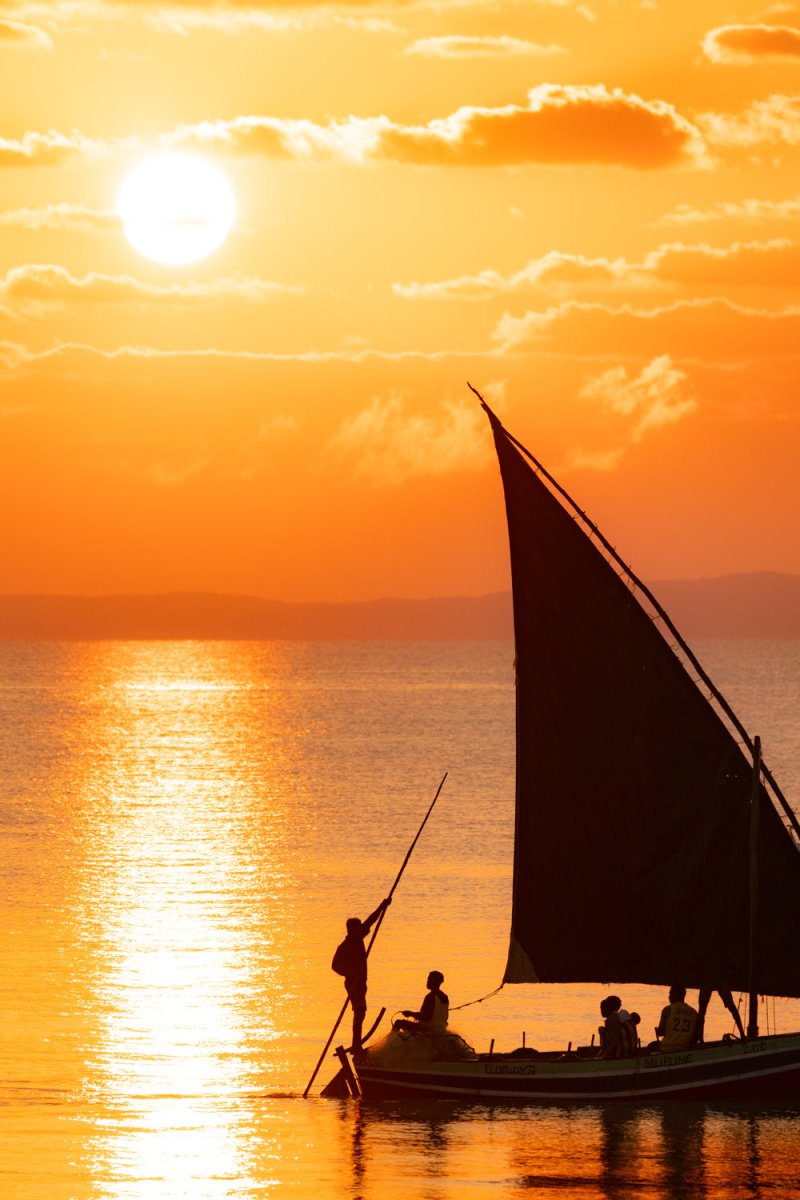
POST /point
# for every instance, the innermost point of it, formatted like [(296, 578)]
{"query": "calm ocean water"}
[(185, 828)]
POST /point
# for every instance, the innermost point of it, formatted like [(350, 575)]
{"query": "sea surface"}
[(185, 828)]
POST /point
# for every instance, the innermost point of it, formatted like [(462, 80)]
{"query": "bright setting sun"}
[(175, 208)]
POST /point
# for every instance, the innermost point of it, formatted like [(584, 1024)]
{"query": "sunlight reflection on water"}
[(185, 828)]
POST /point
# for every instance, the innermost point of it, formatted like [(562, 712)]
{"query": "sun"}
[(176, 208)]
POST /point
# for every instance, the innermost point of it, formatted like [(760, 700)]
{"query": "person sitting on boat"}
[(612, 1039), (434, 1011), (350, 960), (677, 1025), (725, 995), (629, 1032)]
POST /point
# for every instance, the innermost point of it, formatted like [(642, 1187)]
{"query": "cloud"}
[(456, 46), (184, 17), (353, 140), (776, 119), (750, 43), (77, 218), (774, 264), (558, 125), (281, 425), (771, 264), (704, 330), (16, 354), (635, 405), (29, 37), (389, 445), (303, 17), (552, 268), (595, 460), (47, 149), (654, 398), (744, 210), (50, 284), (174, 474)]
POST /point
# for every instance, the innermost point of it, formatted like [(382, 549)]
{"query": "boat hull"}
[(763, 1067)]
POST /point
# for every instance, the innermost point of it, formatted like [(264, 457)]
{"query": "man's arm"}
[(372, 918), (426, 1011)]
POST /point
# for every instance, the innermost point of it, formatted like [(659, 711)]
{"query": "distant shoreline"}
[(750, 605)]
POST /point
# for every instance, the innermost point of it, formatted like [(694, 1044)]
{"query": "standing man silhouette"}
[(350, 960), (727, 999)]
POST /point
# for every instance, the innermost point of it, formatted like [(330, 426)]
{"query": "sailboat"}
[(652, 843)]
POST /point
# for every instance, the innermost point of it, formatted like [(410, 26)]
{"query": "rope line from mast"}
[(469, 1003)]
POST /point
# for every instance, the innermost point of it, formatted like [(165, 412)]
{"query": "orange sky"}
[(589, 210)]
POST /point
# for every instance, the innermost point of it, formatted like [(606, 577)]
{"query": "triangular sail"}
[(633, 796)]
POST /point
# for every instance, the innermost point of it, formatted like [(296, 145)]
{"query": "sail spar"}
[(633, 796)]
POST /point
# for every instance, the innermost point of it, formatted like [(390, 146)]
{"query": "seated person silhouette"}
[(611, 1035), (677, 1025), (629, 1031), (434, 1010)]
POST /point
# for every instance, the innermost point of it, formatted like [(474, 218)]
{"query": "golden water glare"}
[(173, 942)]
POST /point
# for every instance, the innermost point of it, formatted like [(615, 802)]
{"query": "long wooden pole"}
[(755, 797), (378, 924)]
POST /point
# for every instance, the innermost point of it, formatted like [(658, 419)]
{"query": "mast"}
[(752, 1022)]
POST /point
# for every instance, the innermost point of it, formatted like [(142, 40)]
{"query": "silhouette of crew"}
[(619, 1037), (703, 998), (350, 960), (434, 1010), (677, 1025)]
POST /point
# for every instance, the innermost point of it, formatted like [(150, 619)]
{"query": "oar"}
[(378, 924)]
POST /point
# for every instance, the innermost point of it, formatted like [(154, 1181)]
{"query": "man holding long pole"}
[(350, 960), (378, 914)]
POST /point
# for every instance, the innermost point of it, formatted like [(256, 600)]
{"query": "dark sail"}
[(633, 796)]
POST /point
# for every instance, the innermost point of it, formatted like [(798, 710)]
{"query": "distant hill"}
[(761, 604), (209, 616), (757, 605)]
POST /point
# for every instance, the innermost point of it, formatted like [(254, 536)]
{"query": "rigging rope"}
[(469, 1003)]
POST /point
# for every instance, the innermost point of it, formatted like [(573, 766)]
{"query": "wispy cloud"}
[(47, 149), (77, 218), (50, 284), (751, 43), (554, 267), (388, 444), (17, 354), (184, 17), (461, 46), (27, 37), (774, 263), (655, 397), (636, 405), (173, 474), (774, 120), (709, 330), (744, 210)]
